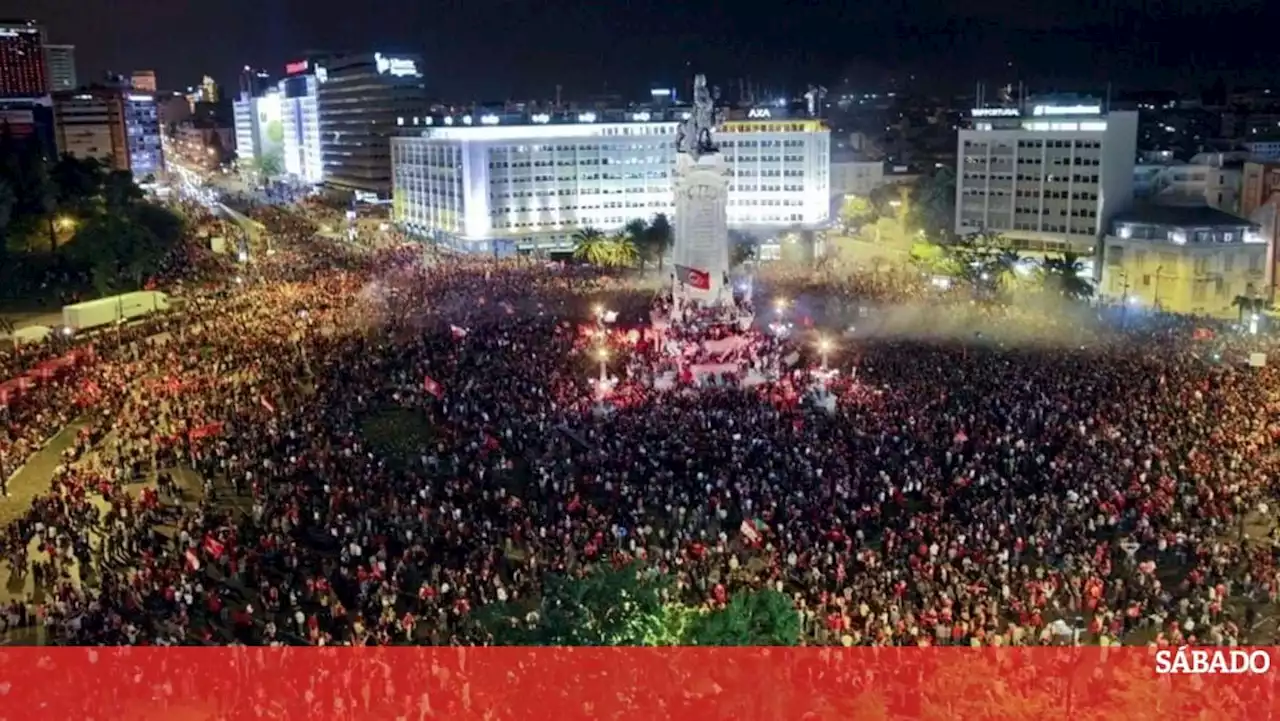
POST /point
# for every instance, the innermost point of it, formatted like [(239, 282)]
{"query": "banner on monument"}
[(693, 277)]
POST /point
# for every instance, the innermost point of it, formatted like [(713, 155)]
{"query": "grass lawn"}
[(399, 434)]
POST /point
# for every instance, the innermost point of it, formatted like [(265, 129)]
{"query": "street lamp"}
[(603, 355), (824, 347), (780, 306)]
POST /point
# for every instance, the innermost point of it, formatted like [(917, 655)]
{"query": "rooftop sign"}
[(301, 66), (759, 114), (398, 67), (995, 112), (1043, 110)]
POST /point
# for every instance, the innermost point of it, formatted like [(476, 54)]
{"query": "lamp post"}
[(603, 355), (824, 347)]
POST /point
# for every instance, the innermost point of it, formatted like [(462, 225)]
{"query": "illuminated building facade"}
[(60, 62), (531, 181), (144, 81), (1185, 259), (1048, 177), (22, 62), (359, 98), (300, 118), (118, 127)]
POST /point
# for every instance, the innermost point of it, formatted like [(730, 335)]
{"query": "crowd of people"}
[(973, 489)]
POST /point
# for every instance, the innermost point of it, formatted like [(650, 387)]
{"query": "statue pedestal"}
[(701, 239)]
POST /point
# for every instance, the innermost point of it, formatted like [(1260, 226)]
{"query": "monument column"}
[(701, 184)]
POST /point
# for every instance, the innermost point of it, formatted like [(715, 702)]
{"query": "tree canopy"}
[(636, 606), (78, 219)]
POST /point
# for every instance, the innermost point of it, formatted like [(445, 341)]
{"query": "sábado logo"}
[(1203, 660)]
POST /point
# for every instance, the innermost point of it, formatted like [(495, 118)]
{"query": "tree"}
[(637, 231), (79, 181), (751, 618), (1248, 304), (622, 252), (270, 164), (119, 192), (1064, 275), (741, 253), (855, 211), (590, 245), (661, 237), (604, 607), (7, 202), (933, 205)]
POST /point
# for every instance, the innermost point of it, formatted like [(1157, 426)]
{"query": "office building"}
[(143, 81), (1048, 179), (300, 121), (253, 82), (60, 63), (116, 126), (1211, 179), (172, 109), (360, 98), (259, 132), (30, 120), (852, 174), (209, 92), (1191, 260), (22, 64), (488, 180)]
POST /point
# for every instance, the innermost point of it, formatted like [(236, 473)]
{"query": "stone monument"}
[(700, 250)]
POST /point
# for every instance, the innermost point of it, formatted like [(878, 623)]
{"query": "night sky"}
[(492, 49)]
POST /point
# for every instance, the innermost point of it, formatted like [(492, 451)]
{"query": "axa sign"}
[(759, 114)]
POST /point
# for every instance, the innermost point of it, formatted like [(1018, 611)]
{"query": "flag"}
[(1202, 334), (960, 437), (432, 386), (213, 547), (193, 562), (693, 277), (508, 308), (749, 532), (208, 429), (266, 404), (458, 333)]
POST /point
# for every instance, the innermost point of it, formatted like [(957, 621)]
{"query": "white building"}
[(61, 63), (850, 176), (300, 121), (1050, 179), (1203, 181), (531, 182), (259, 128)]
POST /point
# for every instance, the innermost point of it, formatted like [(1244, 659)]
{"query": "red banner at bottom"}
[(613, 683)]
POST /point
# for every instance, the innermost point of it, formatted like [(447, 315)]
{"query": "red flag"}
[(490, 442), (693, 277), (193, 562), (458, 333), (432, 386), (1202, 334), (267, 404), (208, 429), (214, 547)]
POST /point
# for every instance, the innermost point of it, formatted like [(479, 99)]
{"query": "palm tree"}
[(590, 245), (623, 252), (637, 231), (1064, 275), (661, 237), (1247, 304)]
